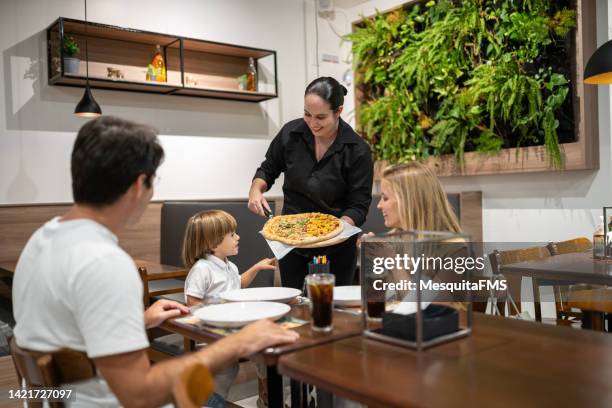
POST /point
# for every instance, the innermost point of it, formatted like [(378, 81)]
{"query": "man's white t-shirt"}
[(74, 287), (211, 276)]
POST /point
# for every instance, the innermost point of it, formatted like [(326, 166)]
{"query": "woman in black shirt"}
[(328, 169)]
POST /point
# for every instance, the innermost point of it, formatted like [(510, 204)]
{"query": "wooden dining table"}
[(570, 268), (504, 363), (578, 267), (345, 324)]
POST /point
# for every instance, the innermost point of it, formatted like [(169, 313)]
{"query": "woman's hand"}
[(257, 202), (369, 234)]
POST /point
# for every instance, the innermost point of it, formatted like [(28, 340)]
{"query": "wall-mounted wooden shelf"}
[(194, 67)]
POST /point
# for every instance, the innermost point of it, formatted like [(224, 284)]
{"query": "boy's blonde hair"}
[(421, 200), (205, 231)]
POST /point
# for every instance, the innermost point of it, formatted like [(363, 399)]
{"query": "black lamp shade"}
[(599, 68), (87, 106)]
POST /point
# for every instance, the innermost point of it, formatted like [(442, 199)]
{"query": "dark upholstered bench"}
[(253, 247)]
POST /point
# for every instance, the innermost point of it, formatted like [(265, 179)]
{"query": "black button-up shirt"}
[(338, 184)]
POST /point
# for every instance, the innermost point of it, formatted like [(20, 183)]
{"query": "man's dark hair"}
[(108, 156), (328, 89)]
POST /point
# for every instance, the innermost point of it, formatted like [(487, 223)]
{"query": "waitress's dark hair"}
[(328, 89)]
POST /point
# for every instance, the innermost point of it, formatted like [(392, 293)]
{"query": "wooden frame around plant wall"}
[(583, 154)]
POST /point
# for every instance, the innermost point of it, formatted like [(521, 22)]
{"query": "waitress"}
[(328, 169)]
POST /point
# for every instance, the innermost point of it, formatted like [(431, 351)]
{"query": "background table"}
[(577, 267), (504, 363), (574, 267)]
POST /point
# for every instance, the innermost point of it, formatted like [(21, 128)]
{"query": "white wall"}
[(212, 146)]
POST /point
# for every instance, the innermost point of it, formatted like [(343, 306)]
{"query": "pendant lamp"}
[(599, 67), (87, 106)]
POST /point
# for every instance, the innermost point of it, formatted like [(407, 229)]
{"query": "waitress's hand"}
[(257, 202)]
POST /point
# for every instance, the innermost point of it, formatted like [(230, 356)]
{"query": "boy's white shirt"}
[(210, 277)]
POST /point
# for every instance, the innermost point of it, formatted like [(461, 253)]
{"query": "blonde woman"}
[(412, 198)]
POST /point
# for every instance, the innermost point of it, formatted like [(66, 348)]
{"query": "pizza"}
[(302, 229)]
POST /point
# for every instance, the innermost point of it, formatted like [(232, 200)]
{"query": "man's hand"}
[(163, 310), (260, 335)]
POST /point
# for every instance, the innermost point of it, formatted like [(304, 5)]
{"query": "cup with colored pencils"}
[(319, 264)]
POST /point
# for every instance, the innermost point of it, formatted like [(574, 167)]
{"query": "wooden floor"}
[(8, 379)]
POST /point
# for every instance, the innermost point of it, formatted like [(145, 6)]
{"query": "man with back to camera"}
[(75, 288)]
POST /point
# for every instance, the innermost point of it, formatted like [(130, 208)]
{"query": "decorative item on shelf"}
[(599, 240), (114, 73), (606, 230), (150, 75), (156, 70), (71, 48), (87, 106), (598, 70), (242, 82), (190, 81), (251, 74)]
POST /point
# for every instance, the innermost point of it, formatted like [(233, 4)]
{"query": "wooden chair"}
[(594, 303), (193, 387), (50, 369), (565, 315), (159, 280), (500, 258)]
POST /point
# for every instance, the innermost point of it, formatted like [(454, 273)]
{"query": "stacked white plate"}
[(347, 296), (268, 294), (238, 314)]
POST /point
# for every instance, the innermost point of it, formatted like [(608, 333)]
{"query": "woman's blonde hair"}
[(421, 201), (205, 231)]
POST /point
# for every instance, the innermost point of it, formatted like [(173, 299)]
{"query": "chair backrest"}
[(50, 369), (572, 245), (501, 258), (193, 387)]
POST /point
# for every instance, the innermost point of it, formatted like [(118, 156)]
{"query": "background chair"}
[(565, 315), (193, 387), (501, 258), (595, 305)]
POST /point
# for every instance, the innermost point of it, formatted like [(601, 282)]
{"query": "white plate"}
[(269, 294), (347, 295), (239, 314)]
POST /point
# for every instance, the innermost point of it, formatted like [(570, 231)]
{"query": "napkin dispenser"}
[(403, 278), (438, 320)]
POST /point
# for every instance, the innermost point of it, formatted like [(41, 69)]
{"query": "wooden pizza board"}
[(329, 242)]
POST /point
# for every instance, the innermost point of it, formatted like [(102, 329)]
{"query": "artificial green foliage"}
[(71, 47), (475, 75)]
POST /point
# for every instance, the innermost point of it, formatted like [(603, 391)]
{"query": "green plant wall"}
[(475, 75)]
